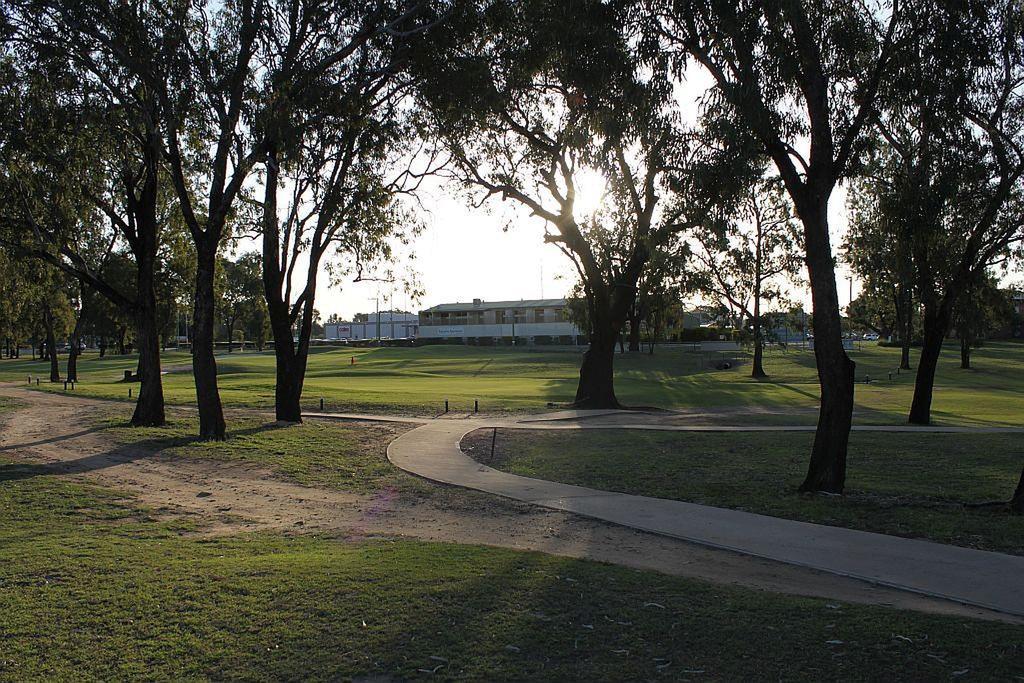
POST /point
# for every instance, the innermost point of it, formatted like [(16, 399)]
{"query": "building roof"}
[(490, 305)]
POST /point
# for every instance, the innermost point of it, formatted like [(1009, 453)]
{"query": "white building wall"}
[(552, 329), (404, 325)]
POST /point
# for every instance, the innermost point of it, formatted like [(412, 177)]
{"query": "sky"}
[(466, 253)]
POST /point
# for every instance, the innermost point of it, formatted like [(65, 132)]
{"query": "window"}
[(539, 315)]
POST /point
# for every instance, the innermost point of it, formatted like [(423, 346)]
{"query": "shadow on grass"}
[(119, 455), (54, 439)]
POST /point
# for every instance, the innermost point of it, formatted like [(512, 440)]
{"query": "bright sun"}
[(590, 191)]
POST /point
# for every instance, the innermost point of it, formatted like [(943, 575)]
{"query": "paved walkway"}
[(973, 577)]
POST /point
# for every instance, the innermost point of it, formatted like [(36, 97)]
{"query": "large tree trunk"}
[(290, 363), (936, 323), (1017, 502), (149, 409), (121, 333), (596, 388), (289, 369), (288, 388), (827, 469), (204, 365), (51, 344), (758, 370)]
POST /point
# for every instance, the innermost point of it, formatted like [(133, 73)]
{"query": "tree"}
[(953, 160), (242, 291), (203, 86), (979, 309), (877, 248), (742, 260), (874, 310), (56, 313), (329, 130), (658, 292), (797, 74), (17, 292), (92, 74), (552, 94)]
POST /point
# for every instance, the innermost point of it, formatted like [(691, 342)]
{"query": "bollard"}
[(65, 385), (129, 392), (321, 404), (37, 381), (476, 405), (30, 379), (890, 376), (446, 405)]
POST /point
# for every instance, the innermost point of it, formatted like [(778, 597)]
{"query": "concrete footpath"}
[(973, 577)]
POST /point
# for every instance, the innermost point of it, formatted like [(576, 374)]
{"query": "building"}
[(382, 325), (534, 321)]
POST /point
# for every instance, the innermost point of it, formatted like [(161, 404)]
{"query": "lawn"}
[(418, 380), (94, 587), (897, 483), (345, 456)]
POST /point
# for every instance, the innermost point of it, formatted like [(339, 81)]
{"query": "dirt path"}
[(53, 433)]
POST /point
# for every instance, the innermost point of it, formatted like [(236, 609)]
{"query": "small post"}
[(494, 436), (321, 404), (476, 405), (446, 405), (65, 385), (129, 392), (890, 376), (353, 360), (37, 381)]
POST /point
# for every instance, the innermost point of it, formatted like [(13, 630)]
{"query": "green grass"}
[(418, 380), (93, 587), (897, 483), (349, 456)]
